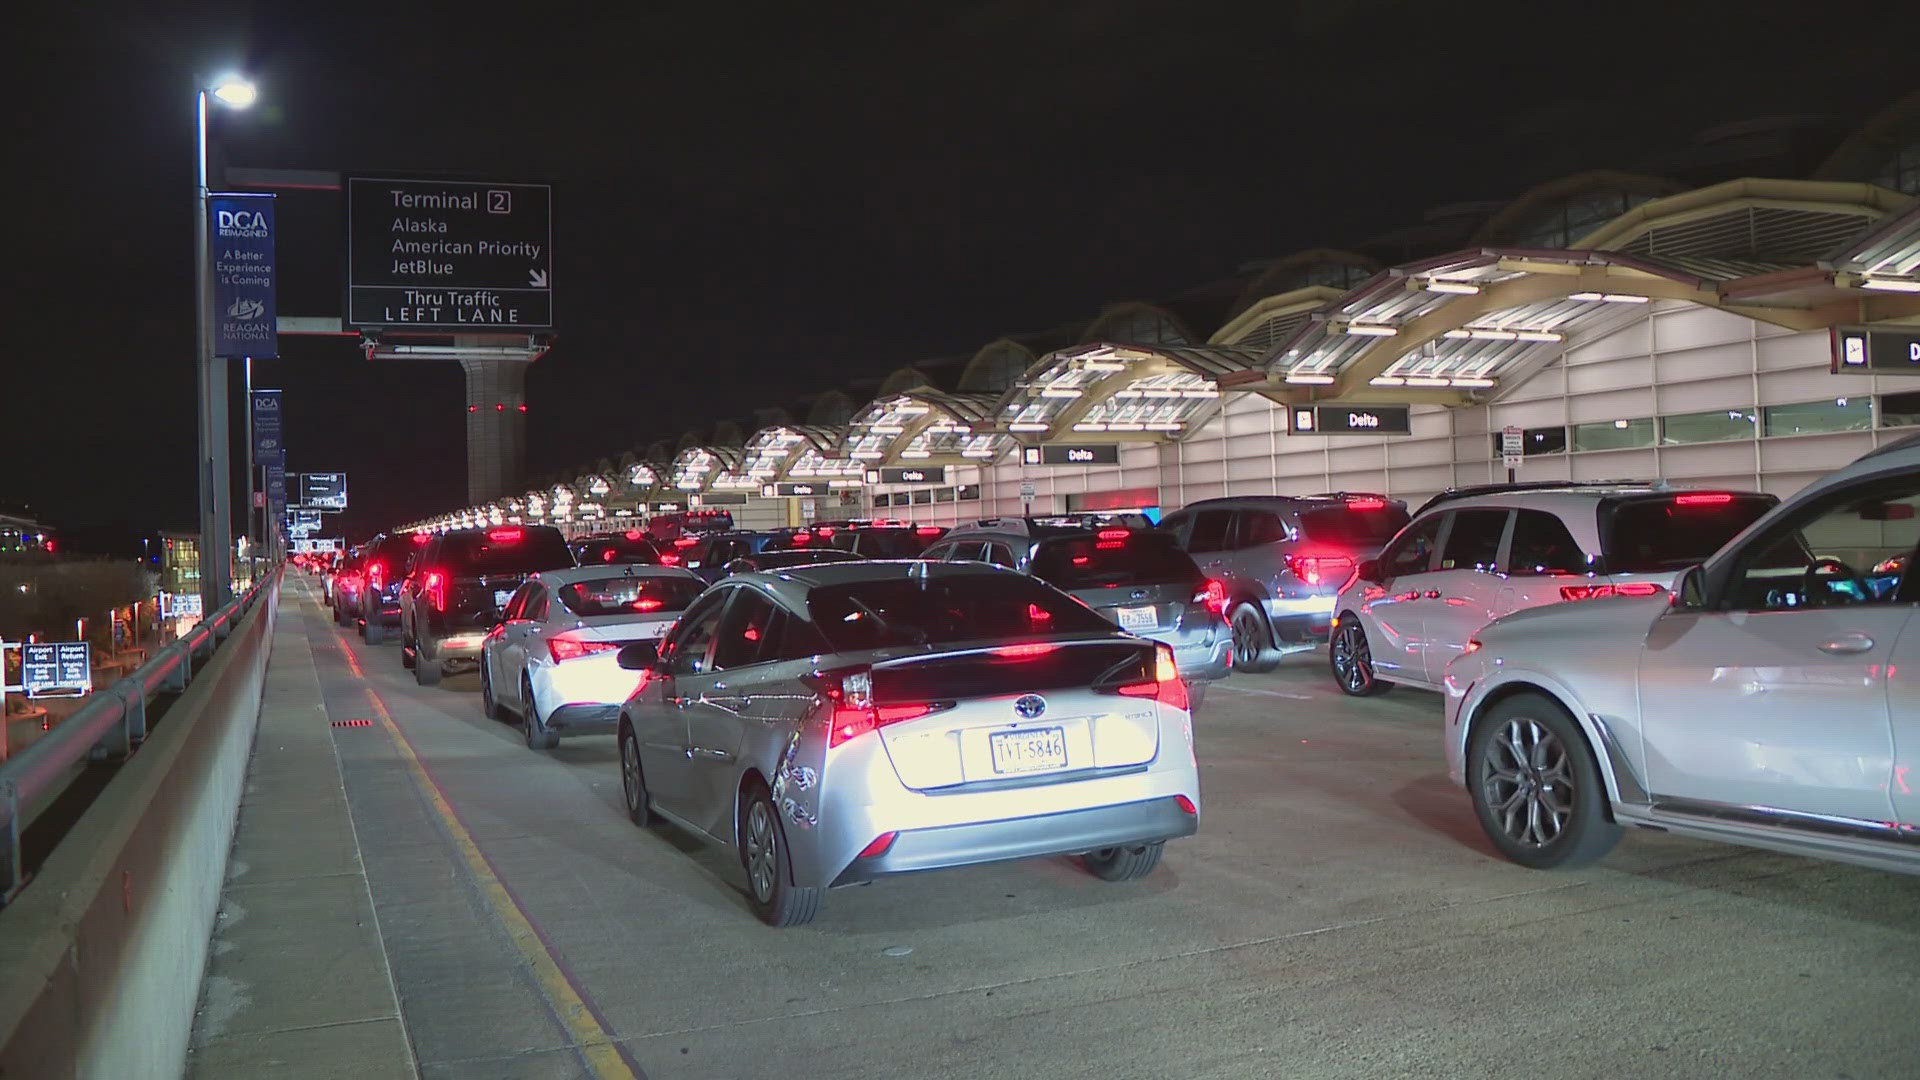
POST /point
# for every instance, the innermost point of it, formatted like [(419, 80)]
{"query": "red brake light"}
[(928, 530), (1711, 498), (568, 648), (647, 603), (1113, 534), (1366, 504), (434, 584), (634, 534), (1214, 595), (803, 538), (1167, 687), (1318, 569), (376, 574), (668, 558), (1024, 652), (686, 541), (1602, 592), (1036, 613), (825, 530), (504, 536), (421, 538), (607, 555)]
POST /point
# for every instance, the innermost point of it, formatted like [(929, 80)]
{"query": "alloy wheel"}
[(1352, 658), (1529, 785), (630, 773), (761, 843), (1247, 635)]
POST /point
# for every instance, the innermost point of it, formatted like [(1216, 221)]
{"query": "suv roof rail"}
[(1471, 490), (1346, 495)]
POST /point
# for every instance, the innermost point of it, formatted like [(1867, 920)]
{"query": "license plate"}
[(501, 596), (1138, 618), (1028, 751)]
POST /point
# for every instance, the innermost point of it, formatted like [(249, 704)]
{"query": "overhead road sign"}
[(56, 669), (1350, 420), (1882, 352), (241, 241), (1066, 454), (807, 489), (323, 491), (449, 254)]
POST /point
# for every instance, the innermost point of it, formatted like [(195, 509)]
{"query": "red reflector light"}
[(1185, 804), (1366, 504), (566, 648), (504, 536), (435, 585), (879, 846), (499, 408), (1712, 498), (1113, 534), (1024, 652)]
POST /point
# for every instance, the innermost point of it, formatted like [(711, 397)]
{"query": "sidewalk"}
[(297, 983)]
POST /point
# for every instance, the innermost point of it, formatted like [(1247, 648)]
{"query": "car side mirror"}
[(639, 656), (1689, 589), (1369, 570)]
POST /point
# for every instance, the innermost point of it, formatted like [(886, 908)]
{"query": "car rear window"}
[(629, 595), (942, 609), (1357, 524), (618, 549), (1115, 557), (508, 550), (886, 543), (777, 560), (1670, 532)]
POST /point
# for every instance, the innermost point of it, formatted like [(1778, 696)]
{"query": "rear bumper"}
[(462, 645), (1204, 660), (586, 718), (1072, 832)]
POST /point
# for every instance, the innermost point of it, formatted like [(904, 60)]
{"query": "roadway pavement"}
[(1338, 915)]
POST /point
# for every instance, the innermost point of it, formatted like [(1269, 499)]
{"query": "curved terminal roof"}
[(1558, 213), (923, 425), (696, 468), (1127, 392)]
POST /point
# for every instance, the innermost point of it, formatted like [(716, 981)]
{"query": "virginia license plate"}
[(1138, 618), (1028, 751), (501, 596)]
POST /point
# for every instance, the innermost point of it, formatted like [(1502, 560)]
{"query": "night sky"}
[(757, 201)]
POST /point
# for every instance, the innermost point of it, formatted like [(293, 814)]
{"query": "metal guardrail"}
[(108, 728)]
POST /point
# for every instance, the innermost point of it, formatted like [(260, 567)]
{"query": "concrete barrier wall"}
[(101, 955)]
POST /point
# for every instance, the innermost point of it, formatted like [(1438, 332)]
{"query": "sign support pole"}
[(216, 531)]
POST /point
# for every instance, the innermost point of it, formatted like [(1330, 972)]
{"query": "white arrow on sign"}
[(537, 278)]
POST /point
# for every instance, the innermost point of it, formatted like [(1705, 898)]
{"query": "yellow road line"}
[(595, 1043)]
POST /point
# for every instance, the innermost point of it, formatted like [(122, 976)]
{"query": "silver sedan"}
[(839, 723)]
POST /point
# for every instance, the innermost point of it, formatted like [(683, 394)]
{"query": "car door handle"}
[(1846, 644)]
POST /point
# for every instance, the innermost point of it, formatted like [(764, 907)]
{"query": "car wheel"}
[(632, 783), (372, 631), (488, 706), (409, 652), (1253, 648), (1536, 787), (538, 737), (1123, 863), (763, 853), (1351, 658), (426, 670)]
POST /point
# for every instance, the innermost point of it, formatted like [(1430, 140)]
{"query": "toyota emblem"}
[(1030, 706)]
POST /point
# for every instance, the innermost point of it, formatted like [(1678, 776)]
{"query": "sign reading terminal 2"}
[(1349, 420), (449, 253)]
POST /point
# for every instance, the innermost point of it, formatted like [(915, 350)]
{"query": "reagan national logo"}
[(246, 309)]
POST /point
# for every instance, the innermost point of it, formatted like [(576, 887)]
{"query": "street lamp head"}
[(234, 92)]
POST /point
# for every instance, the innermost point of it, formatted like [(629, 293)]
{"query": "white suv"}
[(1471, 555)]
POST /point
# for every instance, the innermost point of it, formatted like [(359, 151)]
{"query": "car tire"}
[(1350, 658), (531, 726), (763, 854), (1536, 787), (409, 654), (488, 705), (1128, 863), (426, 670), (372, 631), (1196, 697), (633, 782), (1253, 648)]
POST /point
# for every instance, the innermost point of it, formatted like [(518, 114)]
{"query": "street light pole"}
[(216, 477)]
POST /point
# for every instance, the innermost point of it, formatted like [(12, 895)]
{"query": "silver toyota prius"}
[(839, 723)]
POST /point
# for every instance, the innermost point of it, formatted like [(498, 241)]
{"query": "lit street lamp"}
[(216, 511)]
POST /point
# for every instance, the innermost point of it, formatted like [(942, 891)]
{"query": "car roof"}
[(1325, 498), (570, 574), (1561, 498)]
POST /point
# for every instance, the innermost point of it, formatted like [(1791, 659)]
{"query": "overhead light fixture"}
[(1126, 427), (1371, 330), (1457, 334), (1089, 426), (1541, 335), (1425, 380), (1060, 392), (1386, 380), (1027, 426), (1477, 382), (1310, 378), (1103, 365), (1200, 392), (916, 454), (1486, 334), (1890, 284), (1164, 426), (1458, 288)]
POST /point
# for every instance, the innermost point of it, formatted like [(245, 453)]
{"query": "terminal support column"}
[(496, 426)]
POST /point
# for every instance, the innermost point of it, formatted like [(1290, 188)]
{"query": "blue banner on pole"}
[(244, 316), (267, 441)]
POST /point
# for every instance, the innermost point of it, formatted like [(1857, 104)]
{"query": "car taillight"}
[(647, 603), (504, 536), (928, 530), (1366, 504), (1024, 652), (434, 584), (668, 558), (1711, 498), (634, 534), (1166, 687), (850, 695), (802, 538), (376, 574), (1214, 595), (1113, 534), (1319, 569), (570, 648), (1601, 592)]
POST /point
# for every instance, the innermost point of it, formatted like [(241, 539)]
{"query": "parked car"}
[(615, 549), (551, 661), (1755, 703), (389, 558), (348, 577), (844, 722), (1282, 558), (672, 526), (458, 586), (788, 559), (1473, 555), (879, 541), (1138, 579), (709, 554)]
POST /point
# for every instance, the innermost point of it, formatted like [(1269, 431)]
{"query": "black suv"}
[(630, 548), (459, 584), (389, 558)]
